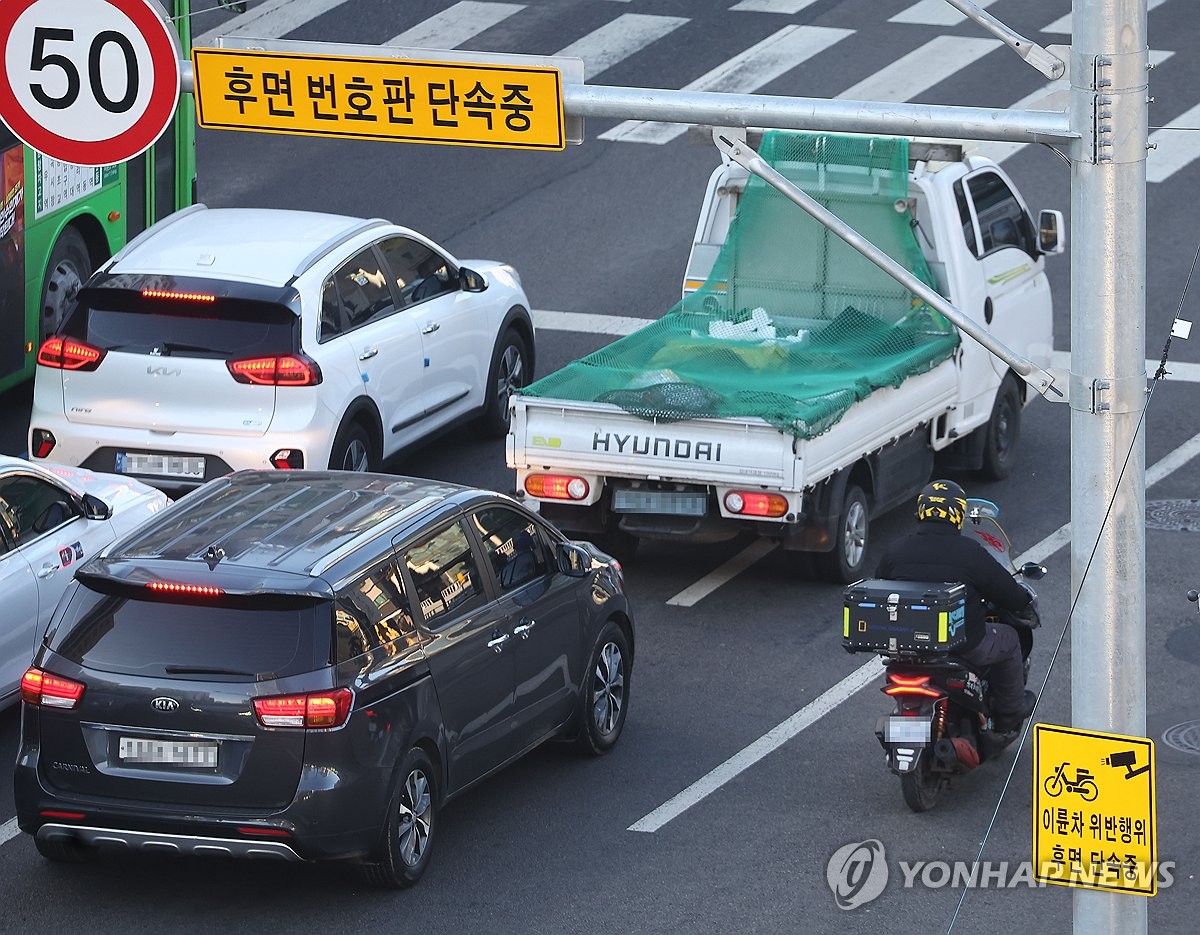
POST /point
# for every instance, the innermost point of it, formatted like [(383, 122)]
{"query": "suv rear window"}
[(269, 637), (123, 320)]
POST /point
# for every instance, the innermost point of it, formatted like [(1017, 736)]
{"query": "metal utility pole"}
[(1109, 72)]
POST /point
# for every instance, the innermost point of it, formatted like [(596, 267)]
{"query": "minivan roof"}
[(281, 521), (263, 245)]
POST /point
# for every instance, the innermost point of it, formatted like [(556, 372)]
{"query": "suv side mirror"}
[(1052, 234), (573, 560), (471, 281), (95, 508)]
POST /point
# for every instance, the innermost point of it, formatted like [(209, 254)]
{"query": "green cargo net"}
[(792, 326)]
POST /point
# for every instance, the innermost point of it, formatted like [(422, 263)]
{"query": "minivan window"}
[(117, 320), (373, 611), (115, 633), (445, 575), (513, 544)]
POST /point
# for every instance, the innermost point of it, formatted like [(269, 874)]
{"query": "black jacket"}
[(939, 552)]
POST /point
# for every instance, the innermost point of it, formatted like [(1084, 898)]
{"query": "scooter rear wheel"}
[(922, 787)]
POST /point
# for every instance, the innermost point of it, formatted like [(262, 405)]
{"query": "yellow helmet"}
[(942, 501)]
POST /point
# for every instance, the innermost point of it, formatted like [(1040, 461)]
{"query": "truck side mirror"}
[(1052, 235)]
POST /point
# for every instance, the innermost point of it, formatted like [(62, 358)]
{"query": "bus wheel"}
[(69, 268)]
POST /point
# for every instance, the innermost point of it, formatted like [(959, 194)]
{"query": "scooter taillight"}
[(910, 685)]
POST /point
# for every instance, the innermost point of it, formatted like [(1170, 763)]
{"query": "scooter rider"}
[(938, 552)]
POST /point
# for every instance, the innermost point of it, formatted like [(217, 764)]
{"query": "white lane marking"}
[(694, 593), (622, 37), (273, 19), (786, 7), (746, 72), (776, 737), (1176, 148), (1063, 23), (1054, 95), (451, 27), (588, 324), (860, 678), (920, 69), (8, 831), (934, 13), (617, 325)]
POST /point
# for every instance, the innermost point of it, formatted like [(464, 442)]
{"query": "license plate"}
[(162, 465), (906, 730), (672, 502), (168, 752)]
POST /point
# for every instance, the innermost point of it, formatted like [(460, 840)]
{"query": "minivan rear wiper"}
[(204, 670)]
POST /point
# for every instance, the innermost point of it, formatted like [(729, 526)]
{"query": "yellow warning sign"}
[(1093, 810), (509, 106)]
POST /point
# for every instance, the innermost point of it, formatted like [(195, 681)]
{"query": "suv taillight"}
[(48, 690), (69, 354), (282, 370), (321, 710)]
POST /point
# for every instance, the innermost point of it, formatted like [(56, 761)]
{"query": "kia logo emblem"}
[(164, 704)]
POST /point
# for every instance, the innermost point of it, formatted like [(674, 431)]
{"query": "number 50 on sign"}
[(91, 82)]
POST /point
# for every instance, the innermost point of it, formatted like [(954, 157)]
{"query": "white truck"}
[(607, 474)]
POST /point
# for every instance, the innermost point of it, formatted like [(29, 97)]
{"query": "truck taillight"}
[(46, 690), (755, 503), (319, 710), (69, 354), (281, 370), (557, 486)]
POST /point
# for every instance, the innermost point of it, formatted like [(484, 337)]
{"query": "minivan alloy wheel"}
[(608, 688), (415, 810)]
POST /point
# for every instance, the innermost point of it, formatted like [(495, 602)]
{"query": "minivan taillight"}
[(313, 710), (69, 354), (48, 690), (282, 370)]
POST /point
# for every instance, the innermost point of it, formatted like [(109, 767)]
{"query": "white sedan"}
[(53, 519)]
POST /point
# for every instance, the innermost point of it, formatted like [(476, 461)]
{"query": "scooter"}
[(941, 725)]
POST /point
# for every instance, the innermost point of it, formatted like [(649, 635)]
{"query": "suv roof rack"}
[(332, 244)]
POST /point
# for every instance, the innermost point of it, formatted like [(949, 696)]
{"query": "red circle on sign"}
[(149, 126)]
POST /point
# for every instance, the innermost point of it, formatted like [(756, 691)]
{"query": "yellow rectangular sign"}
[(518, 107), (1093, 810)]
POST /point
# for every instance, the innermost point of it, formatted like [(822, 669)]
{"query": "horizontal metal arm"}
[(1044, 381)]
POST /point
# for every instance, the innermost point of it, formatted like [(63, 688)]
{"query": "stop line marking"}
[(857, 680)]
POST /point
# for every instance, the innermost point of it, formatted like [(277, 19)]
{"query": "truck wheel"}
[(69, 268), (1003, 432), (844, 562)]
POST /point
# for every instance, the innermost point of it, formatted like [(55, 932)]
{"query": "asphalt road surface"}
[(749, 758)]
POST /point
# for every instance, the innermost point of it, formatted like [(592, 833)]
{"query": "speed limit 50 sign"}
[(90, 82)]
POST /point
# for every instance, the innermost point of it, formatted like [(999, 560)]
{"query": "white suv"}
[(232, 338)]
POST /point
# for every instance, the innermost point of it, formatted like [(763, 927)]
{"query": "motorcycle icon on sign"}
[(1083, 785)]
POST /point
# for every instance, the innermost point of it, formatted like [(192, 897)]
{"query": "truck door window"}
[(1002, 220), (964, 216)]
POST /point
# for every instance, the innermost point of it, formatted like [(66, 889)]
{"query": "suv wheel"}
[(509, 372), (352, 450), (411, 820)]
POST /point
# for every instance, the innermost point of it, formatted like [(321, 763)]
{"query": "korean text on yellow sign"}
[(388, 99), (1093, 810)]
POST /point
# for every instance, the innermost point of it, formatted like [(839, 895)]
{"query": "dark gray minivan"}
[(308, 664)]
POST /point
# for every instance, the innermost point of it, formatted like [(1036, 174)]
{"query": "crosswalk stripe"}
[(272, 19), (1176, 148), (617, 40), (934, 13), (920, 69), (786, 7), (1063, 23), (746, 72), (1054, 95), (455, 25)]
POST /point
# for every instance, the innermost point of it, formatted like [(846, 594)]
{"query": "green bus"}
[(59, 222)]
